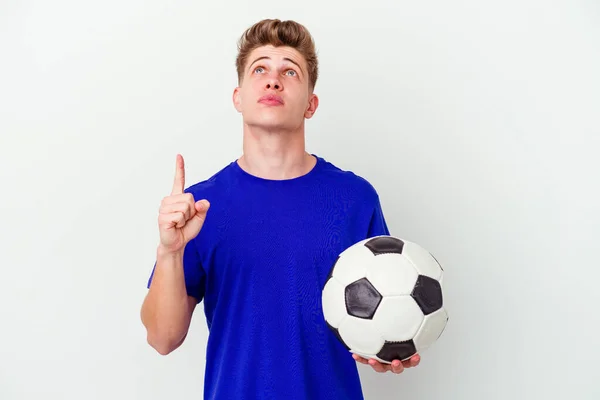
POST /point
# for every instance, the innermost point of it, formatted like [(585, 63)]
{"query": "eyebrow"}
[(285, 59)]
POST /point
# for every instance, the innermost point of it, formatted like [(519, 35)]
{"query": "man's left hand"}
[(396, 366)]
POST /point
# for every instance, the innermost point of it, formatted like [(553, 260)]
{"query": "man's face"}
[(275, 90)]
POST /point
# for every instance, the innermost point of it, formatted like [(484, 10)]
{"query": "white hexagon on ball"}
[(392, 274), (432, 327), (423, 261), (398, 318), (352, 264), (361, 335), (334, 306)]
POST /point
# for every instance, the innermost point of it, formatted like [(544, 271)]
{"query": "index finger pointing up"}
[(179, 182)]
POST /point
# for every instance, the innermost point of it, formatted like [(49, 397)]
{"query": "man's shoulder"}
[(347, 178), (215, 183)]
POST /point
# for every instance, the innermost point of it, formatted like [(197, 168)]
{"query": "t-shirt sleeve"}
[(194, 274), (377, 225)]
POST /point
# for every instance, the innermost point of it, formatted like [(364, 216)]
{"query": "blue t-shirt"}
[(260, 263)]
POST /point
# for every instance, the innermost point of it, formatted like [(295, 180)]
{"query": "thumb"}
[(193, 226), (202, 206)]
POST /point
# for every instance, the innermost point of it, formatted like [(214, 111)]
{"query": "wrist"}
[(163, 252)]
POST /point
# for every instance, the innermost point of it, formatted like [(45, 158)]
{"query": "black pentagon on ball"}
[(337, 335), (397, 350), (362, 299), (428, 294), (385, 245)]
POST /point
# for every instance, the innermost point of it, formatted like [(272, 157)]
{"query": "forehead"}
[(277, 54)]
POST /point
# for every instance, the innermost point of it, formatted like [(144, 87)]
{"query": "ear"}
[(237, 99), (313, 104)]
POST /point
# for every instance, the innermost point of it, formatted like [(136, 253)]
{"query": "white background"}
[(477, 122)]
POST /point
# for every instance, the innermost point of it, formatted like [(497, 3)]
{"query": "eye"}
[(257, 68), (292, 71)]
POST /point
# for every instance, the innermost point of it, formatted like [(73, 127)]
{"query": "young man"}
[(278, 219)]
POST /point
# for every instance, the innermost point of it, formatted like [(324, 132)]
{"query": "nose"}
[(273, 83)]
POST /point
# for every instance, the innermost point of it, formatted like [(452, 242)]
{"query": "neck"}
[(275, 154)]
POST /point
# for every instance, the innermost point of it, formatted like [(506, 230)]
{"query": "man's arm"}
[(167, 309)]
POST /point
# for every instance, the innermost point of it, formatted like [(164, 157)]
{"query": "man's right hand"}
[(180, 217)]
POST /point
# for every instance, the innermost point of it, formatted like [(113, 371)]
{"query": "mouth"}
[(271, 99)]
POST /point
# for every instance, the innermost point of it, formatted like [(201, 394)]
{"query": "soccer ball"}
[(383, 299)]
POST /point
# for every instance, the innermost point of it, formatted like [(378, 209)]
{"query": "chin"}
[(271, 122)]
